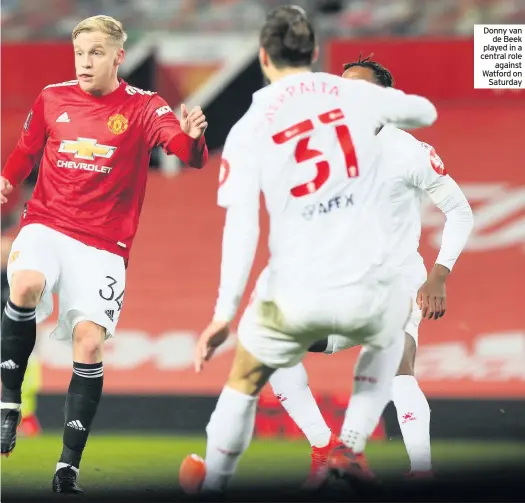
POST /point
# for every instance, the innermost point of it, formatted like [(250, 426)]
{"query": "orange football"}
[(192, 473)]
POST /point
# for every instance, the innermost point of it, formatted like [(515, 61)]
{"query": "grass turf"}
[(113, 463)]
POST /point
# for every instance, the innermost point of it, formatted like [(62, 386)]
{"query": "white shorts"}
[(412, 326), (278, 332), (338, 343), (89, 282)]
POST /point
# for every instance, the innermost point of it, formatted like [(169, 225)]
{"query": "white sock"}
[(413, 414), (229, 433), (290, 386), (373, 376), (64, 465)]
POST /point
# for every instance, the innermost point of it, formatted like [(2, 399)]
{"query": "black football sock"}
[(83, 397), (17, 344)]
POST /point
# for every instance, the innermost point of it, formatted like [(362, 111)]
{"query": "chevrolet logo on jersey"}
[(86, 148)]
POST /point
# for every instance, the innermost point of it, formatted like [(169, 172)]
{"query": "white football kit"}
[(308, 142), (413, 169)]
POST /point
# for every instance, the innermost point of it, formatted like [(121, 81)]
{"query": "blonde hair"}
[(105, 24)]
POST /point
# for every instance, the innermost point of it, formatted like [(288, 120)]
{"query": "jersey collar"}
[(107, 97)]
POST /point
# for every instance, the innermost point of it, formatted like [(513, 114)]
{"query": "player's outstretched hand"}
[(5, 189), (211, 338), (193, 123), (432, 296)]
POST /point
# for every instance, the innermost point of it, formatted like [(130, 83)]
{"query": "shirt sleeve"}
[(30, 145), (239, 193), (239, 172), (427, 168), (239, 244), (162, 129), (430, 175), (406, 111)]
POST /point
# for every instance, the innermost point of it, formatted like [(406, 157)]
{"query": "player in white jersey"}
[(412, 168), (308, 143)]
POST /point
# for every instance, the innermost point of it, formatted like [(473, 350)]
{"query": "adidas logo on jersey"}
[(110, 313), (76, 425), (9, 364), (64, 118)]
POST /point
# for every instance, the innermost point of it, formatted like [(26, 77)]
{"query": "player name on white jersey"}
[(308, 142)]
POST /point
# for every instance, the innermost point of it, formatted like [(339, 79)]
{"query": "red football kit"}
[(95, 159)]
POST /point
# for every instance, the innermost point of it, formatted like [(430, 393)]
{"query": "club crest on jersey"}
[(435, 161), (86, 148), (118, 124)]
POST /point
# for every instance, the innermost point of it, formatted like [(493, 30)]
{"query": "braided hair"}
[(381, 74)]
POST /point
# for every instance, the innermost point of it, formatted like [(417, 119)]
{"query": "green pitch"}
[(149, 462)]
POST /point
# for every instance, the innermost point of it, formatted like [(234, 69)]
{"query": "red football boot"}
[(319, 464), (345, 464)]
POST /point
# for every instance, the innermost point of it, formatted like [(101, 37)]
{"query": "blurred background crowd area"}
[(44, 19)]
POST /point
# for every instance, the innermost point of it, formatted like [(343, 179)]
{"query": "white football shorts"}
[(338, 343), (89, 282), (279, 331)]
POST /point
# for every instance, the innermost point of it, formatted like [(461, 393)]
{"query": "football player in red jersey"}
[(95, 136)]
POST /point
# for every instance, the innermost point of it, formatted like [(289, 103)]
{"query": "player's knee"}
[(26, 288), (249, 382), (88, 342), (408, 360), (248, 375), (243, 384)]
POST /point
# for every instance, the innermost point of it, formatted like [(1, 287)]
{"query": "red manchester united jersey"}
[(95, 158)]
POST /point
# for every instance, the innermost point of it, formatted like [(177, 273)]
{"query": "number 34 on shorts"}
[(110, 293)]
